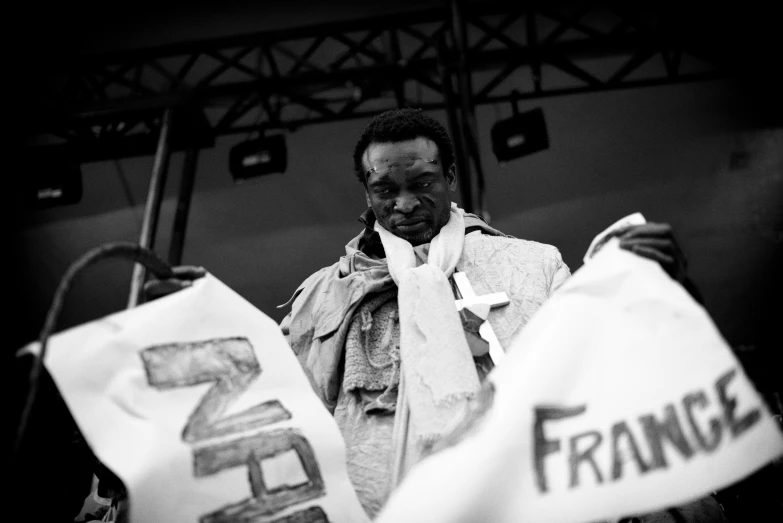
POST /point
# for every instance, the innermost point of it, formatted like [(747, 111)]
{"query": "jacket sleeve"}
[(318, 354), (558, 270)]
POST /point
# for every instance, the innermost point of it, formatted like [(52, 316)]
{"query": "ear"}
[(367, 197), (451, 177)]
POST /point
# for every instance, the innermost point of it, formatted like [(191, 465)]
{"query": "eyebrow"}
[(380, 181), (384, 179), (431, 161), (422, 174)]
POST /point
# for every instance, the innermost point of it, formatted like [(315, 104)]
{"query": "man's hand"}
[(183, 278), (655, 241)]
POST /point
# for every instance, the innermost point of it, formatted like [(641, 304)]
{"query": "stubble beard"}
[(420, 238), (427, 235)]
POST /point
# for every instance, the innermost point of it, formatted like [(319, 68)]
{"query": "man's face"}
[(408, 188)]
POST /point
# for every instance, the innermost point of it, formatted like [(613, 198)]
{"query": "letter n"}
[(656, 432)]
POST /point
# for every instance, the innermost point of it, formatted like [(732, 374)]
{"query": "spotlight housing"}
[(52, 182), (521, 135), (258, 157)]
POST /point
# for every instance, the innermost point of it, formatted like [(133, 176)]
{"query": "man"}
[(344, 325), (345, 320)]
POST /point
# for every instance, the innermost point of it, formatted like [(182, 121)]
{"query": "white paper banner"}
[(620, 397), (198, 404)]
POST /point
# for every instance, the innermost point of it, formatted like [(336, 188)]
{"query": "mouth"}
[(408, 225)]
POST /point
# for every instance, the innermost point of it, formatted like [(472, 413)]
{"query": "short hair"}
[(400, 125)]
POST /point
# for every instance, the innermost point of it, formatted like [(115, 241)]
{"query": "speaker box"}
[(522, 134)]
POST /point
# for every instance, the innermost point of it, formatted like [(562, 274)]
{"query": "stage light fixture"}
[(258, 157), (522, 134), (52, 182)]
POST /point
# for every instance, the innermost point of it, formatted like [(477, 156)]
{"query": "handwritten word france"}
[(709, 418)]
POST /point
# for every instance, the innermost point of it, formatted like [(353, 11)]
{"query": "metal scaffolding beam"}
[(311, 75)]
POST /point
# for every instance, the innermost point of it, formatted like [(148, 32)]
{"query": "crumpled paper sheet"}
[(619, 397), (198, 404)]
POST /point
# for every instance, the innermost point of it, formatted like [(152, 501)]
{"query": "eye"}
[(424, 184), (382, 192)]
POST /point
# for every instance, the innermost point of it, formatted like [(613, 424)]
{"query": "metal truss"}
[(289, 78)]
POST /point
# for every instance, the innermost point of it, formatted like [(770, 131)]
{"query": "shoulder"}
[(514, 257), (517, 247), (479, 231), (320, 277), (303, 300)]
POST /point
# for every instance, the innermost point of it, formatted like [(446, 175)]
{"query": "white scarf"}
[(438, 375)]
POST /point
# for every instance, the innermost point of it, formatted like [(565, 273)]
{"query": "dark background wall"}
[(705, 157)]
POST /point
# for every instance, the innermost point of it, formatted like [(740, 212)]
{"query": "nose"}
[(406, 203)]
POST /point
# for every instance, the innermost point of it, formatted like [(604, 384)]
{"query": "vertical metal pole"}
[(532, 43), (468, 120), (393, 54), (152, 206), (455, 128), (183, 207)]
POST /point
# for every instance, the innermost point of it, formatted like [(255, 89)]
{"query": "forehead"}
[(387, 153)]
